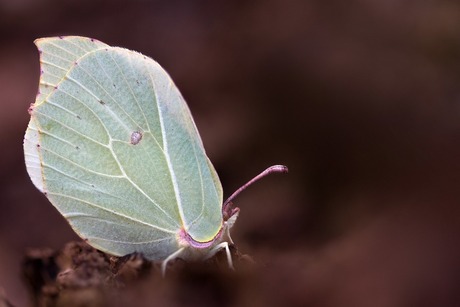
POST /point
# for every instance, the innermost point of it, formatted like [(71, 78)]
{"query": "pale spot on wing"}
[(136, 137)]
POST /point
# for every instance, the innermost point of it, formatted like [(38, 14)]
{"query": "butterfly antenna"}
[(268, 171)]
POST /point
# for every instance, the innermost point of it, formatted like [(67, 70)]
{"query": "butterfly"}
[(113, 146)]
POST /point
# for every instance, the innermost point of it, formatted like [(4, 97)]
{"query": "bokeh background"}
[(360, 99)]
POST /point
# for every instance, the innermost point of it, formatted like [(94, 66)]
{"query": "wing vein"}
[(132, 243), (111, 97), (77, 165), (114, 115), (112, 212), (168, 160), (70, 128), (140, 104), (76, 56)]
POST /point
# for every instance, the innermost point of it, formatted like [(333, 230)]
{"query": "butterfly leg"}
[(218, 247), (165, 262), (230, 222), (228, 235)]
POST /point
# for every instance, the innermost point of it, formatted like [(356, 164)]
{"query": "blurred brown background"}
[(361, 99)]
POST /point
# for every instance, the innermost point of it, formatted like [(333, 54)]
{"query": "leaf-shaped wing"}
[(113, 145)]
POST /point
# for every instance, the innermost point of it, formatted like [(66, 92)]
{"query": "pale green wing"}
[(57, 56), (115, 149)]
